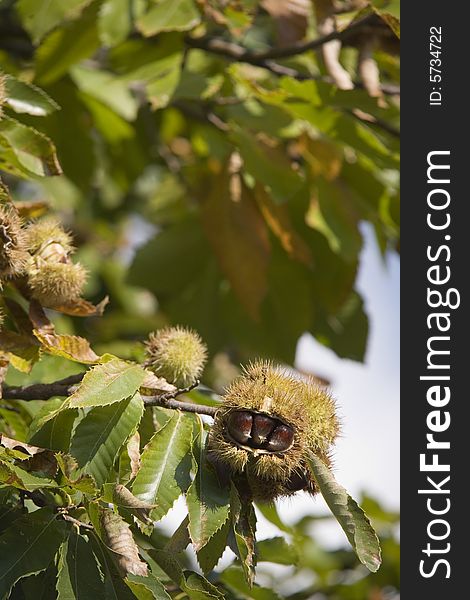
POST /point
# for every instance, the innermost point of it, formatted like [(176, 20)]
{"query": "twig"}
[(42, 391), (67, 517), (235, 52), (200, 409), (64, 387), (168, 401)]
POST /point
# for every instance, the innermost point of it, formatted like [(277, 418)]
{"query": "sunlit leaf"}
[(349, 515), (98, 438), (164, 471)]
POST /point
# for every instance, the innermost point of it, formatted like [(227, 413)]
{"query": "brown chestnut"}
[(262, 427), (239, 426), (281, 439)]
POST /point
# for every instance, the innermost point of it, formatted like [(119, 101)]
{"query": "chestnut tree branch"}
[(235, 52), (64, 387)]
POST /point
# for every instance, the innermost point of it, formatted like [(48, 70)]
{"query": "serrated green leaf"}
[(25, 97), (196, 586), (79, 577), (210, 554), (14, 476), (169, 15), (107, 383), (147, 588), (25, 151), (208, 503), (349, 515), (243, 519), (29, 546), (98, 438), (164, 467)]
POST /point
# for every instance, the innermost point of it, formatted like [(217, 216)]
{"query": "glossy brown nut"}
[(239, 426), (297, 481), (281, 439), (262, 427)]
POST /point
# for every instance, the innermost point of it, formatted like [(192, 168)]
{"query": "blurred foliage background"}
[(214, 174)]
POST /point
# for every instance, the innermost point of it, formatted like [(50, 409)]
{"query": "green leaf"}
[(169, 15), (25, 151), (55, 433), (210, 554), (349, 515), (346, 331), (243, 519), (25, 97), (269, 512), (79, 577), (29, 546), (107, 383), (196, 586), (40, 16), (268, 165), (110, 90), (11, 475), (114, 21), (67, 45), (147, 588), (233, 579), (208, 503), (164, 470), (276, 550), (98, 438)]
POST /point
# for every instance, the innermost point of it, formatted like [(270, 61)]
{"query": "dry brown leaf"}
[(118, 537), (133, 451), (83, 308)]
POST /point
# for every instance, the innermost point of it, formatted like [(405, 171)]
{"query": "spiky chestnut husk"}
[(177, 354), (48, 240), (297, 405), (54, 284), (13, 242)]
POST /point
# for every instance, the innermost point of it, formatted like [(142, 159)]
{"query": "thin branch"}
[(200, 409), (235, 52), (42, 391), (75, 521), (297, 49), (168, 401), (64, 387)]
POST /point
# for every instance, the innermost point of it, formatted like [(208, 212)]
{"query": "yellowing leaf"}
[(68, 346), (238, 235), (278, 220)]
